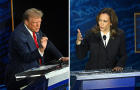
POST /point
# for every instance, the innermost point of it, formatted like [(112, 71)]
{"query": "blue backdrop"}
[(83, 15), (5, 30), (137, 32)]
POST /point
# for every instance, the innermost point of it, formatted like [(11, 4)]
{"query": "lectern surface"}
[(37, 71), (103, 74)]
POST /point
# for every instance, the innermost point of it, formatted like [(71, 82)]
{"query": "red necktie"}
[(36, 43)]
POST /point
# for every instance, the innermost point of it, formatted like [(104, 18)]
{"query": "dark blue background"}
[(83, 14), (137, 32), (5, 30)]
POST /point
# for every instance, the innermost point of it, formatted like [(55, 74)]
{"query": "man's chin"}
[(36, 30)]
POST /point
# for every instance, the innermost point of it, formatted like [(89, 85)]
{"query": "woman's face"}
[(104, 22)]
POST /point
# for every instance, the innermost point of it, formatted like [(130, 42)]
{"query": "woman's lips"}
[(101, 28)]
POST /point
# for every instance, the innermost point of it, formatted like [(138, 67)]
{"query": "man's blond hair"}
[(32, 12)]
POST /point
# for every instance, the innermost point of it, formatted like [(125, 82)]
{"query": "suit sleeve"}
[(122, 51), (82, 49), (53, 50)]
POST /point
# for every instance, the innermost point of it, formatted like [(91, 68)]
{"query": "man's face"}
[(33, 24)]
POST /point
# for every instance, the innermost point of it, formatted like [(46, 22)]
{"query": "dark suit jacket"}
[(99, 56), (23, 53)]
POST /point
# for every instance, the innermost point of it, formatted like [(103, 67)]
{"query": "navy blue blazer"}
[(23, 53), (99, 56)]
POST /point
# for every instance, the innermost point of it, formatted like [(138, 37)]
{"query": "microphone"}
[(104, 37), (43, 35)]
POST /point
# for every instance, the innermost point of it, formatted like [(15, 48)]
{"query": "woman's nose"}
[(102, 23)]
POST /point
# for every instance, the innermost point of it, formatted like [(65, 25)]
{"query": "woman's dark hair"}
[(113, 20)]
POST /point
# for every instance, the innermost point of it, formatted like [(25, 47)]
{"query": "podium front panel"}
[(105, 80)]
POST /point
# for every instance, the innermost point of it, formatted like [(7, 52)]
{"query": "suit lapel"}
[(110, 42), (99, 39), (30, 40)]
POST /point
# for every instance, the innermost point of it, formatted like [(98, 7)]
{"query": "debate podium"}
[(57, 77), (105, 79)]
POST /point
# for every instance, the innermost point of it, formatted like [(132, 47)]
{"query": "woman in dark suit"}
[(105, 43)]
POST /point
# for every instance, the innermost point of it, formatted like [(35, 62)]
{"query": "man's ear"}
[(25, 22)]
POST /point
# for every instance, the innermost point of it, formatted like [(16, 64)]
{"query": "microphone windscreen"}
[(104, 37)]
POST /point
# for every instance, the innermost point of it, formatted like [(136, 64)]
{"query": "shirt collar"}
[(31, 33), (107, 35)]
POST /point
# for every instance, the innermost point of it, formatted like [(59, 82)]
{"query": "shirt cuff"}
[(59, 58), (40, 52)]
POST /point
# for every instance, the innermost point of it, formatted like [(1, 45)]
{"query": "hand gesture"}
[(79, 37), (117, 68), (64, 58), (43, 43)]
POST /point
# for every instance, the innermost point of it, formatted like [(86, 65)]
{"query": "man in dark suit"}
[(27, 46), (105, 43)]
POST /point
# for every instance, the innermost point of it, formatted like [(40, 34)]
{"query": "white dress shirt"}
[(31, 33), (107, 37)]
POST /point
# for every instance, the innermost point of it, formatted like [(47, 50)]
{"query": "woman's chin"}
[(101, 29)]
